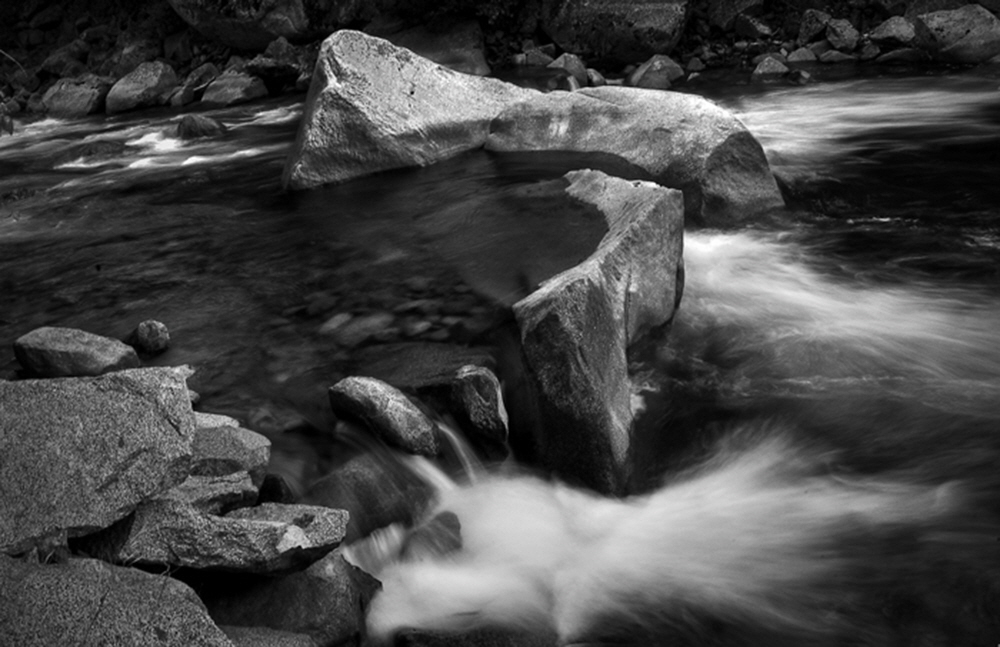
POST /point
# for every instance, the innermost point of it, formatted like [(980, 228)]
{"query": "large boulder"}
[(612, 31), (373, 106), (149, 84), (683, 141), (968, 35), (52, 351), (89, 602), (81, 453), (576, 330)]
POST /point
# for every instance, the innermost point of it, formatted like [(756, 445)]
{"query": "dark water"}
[(865, 331)]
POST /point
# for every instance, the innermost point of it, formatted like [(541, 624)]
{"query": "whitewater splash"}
[(764, 534)]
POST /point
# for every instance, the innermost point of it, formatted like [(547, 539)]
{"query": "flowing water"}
[(818, 462)]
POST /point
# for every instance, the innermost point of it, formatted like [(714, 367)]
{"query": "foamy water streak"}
[(755, 535)]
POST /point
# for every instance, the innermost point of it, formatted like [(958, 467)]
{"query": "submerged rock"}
[(577, 328), (374, 106), (969, 35), (89, 602), (81, 453), (683, 141), (68, 352), (149, 84), (387, 412)]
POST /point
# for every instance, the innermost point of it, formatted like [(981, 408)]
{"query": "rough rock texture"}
[(373, 106), (78, 96), (572, 64), (894, 32), (326, 601), (216, 494), (152, 337), (842, 35), (459, 47), (89, 602), (813, 24), (684, 141), (233, 87), (217, 451), (478, 404), (150, 84), (67, 352), (387, 412), (81, 453), (577, 328), (770, 68), (968, 35), (264, 637), (612, 31), (722, 13), (656, 74), (272, 538)]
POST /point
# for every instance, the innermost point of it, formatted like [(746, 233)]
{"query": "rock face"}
[(150, 84), (684, 141), (77, 97), (577, 328), (387, 412), (613, 31), (373, 106), (99, 604), (81, 453), (232, 88), (67, 352), (968, 35)]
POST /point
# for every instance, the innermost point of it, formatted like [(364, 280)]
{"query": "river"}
[(863, 330)]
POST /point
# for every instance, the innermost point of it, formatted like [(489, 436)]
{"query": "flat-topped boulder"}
[(683, 141), (373, 106), (81, 453), (52, 351)]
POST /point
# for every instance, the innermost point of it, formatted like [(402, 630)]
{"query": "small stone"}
[(594, 78), (537, 57), (760, 58), (802, 55), (387, 412), (197, 126), (769, 68), (572, 64), (695, 65), (334, 323), (69, 352), (869, 52), (356, 330), (150, 337), (834, 56), (656, 74)]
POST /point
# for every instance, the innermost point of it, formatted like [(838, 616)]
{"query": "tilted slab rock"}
[(969, 35), (684, 141), (68, 352), (149, 84), (223, 450), (81, 453), (387, 412), (373, 106), (271, 538), (89, 602), (216, 494), (577, 328)]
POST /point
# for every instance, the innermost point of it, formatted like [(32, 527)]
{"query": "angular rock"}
[(152, 337), (68, 60), (459, 47), (217, 451), (374, 106), (272, 538), (89, 602), (802, 55), (835, 56), (656, 74), (387, 412), (894, 32), (67, 352), (81, 453), (967, 35), (611, 31), (577, 328), (477, 402), (683, 141), (264, 637), (198, 79), (77, 97), (149, 84), (722, 13), (572, 64), (326, 601), (216, 494), (813, 24), (231, 88), (842, 35), (769, 68)]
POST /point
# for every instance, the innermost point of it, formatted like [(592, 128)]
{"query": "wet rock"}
[(374, 490), (842, 35), (722, 13), (217, 451), (375, 106), (820, 47), (577, 328), (682, 140), (813, 24), (459, 47), (478, 405), (81, 453), (326, 602), (869, 52), (572, 64), (802, 55), (387, 412), (968, 35), (656, 74), (753, 28), (232, 88), (151, 337), (272, 538), (610, 31), (67, 352), (351, 331), (894, 32), (95, 603), (78, 96), (769, 68), (264, 637), (149, 84), (196, 126), (695, 65)]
